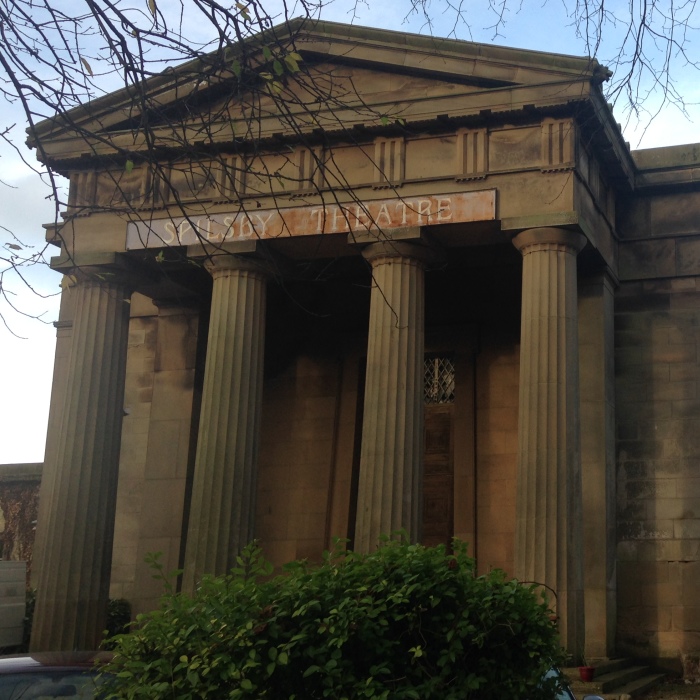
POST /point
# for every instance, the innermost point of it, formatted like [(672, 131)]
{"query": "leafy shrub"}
[(28, 619), (403, 622), (118, 620)]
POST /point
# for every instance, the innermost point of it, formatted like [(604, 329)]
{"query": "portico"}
[(410, 336)]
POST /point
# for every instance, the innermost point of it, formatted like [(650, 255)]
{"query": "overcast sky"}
[(27, 362)]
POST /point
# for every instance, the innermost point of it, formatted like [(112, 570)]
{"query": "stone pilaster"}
[(596, 362), (222, 507), (158, 471), (391, 462), (548, 528), (78, 495)]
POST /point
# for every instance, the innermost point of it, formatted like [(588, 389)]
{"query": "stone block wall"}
[(138, 395), (497, 381), (657, 343), (137, 406), (156, 450), (297, 458)]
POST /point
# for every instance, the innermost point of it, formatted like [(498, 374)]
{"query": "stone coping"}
[(29, 471)]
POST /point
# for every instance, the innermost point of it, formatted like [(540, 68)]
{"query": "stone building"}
[(456, 303), (19, 497)]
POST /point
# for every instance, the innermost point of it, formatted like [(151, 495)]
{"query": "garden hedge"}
[(405, 621)]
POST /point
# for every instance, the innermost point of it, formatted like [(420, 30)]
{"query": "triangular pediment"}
[(351, 77)]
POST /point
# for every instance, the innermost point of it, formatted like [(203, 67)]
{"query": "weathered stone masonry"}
[(480, 321)]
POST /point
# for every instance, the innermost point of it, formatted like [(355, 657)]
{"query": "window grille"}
[(438, 379)]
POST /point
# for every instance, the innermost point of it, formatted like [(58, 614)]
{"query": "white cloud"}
[(27, 361)]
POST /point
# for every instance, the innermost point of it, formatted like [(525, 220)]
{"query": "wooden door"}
[(438, 475)]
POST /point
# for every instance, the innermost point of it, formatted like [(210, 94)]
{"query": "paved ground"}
[(674, 691)]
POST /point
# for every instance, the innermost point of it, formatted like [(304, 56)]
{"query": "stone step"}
[(623, 682), (643, 684), (603, 666), (609, 682)]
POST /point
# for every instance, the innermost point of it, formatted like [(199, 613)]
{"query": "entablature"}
[(463, 156)]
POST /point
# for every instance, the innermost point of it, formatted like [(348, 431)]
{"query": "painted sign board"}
[(250, 224)]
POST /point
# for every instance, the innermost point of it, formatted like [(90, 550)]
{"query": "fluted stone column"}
[(391, 460), (222, 509), (79, 489), (548, 528)]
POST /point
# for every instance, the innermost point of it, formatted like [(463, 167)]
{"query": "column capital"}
[(102, 276), (549, 238), (222, 263), (238, 256), (405, 234), (377, 252)]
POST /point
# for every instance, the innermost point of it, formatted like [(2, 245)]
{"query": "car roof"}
[(43, 661)]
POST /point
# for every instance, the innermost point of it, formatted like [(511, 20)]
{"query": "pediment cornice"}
[(458, 62)]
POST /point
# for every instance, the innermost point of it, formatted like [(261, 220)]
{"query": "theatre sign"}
[(248, 223)]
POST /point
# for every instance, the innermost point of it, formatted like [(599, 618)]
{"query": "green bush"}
[(403, 622), (118, 620), (28, 619)]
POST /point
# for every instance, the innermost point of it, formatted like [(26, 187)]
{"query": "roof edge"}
[(303, 28)]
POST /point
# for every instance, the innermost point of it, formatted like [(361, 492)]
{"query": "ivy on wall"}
[(19, 502)]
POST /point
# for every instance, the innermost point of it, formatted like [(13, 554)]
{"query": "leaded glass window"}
[(438, 379)]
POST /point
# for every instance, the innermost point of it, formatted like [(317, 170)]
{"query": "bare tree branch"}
[(236, 71)]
